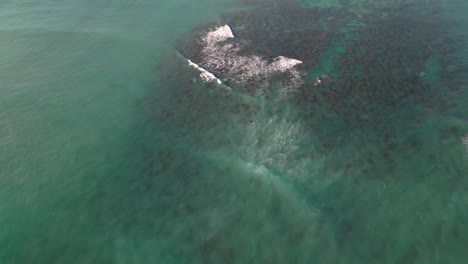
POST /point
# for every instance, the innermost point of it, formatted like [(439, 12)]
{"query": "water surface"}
[(113, 150)]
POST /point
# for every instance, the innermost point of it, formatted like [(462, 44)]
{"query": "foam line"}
[(204, 74)]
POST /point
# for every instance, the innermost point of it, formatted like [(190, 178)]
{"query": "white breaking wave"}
[(283, 64), (205, 75), (225, 57), (219, 34)]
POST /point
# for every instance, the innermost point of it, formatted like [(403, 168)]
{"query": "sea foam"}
[(219, 55)]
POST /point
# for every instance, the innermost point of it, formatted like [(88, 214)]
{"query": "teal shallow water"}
[(73, 78), (90, 173)]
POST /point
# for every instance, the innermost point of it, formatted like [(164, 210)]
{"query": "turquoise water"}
[(104, 160)]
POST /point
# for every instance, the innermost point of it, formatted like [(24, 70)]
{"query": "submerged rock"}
[(317, 81)]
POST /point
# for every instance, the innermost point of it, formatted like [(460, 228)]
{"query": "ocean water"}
[(113, 150)]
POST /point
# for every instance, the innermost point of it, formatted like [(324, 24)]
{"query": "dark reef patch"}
[(369, 136), (361, 62)]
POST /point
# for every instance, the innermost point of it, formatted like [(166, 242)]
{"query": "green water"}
[(92, 171)]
